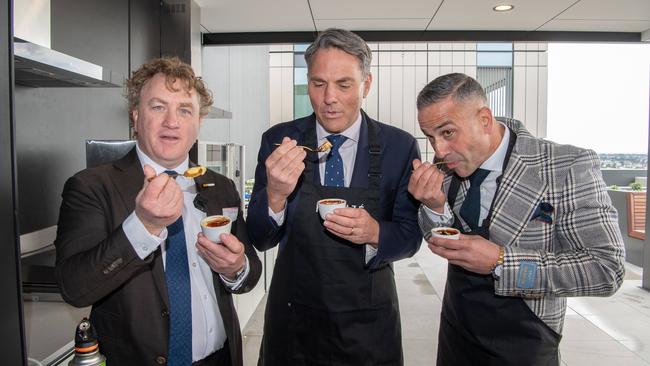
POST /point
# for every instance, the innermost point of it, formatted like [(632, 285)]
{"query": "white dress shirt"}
[(208, 331), (348, 152), (489, 186)]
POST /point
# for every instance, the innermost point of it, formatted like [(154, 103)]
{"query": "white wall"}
[(530, 86), (281, 83), (239, 80)]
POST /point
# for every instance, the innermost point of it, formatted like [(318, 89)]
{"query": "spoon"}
[(326, 146), (192, 172), (436, 163)]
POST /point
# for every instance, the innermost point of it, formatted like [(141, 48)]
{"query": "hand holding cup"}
[(328, 205), (215, 225)]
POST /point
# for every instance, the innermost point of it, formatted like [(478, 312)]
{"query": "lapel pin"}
[(206, 185)]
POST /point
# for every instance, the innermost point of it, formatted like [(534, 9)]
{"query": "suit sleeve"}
[(590, 261), (400, 236), (92, 258), (255, 265), (263, 230)]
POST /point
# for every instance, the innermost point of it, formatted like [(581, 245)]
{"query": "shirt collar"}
[(144, 159), (495, 161), (352, 132)]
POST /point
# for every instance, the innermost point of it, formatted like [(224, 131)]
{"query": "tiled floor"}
[(597, 331)]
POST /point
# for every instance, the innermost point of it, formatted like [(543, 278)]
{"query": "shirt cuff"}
[(142, 241), (435, 217), (241, 277), (278, 217), (371, 252)]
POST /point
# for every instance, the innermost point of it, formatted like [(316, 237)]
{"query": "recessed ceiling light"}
[(501, 8)]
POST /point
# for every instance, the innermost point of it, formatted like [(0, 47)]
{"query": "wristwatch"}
[(497, 270)]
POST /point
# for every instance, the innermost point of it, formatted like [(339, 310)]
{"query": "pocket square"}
[(544, 213)]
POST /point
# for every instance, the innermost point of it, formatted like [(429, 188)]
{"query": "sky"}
[(599, 96)]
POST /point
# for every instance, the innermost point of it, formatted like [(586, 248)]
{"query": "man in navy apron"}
[(332, 300), (537, 221)]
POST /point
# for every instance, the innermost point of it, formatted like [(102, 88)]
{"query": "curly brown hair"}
[(173, 69)]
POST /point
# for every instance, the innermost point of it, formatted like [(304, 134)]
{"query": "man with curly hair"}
[(129, 240)]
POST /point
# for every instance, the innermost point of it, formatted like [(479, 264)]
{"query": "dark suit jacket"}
[(96, 265), (399, 235)]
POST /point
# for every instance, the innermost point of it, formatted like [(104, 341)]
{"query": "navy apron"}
[(478, 327), (325, 305)]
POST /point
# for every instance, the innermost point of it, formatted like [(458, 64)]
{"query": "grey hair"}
[(460, 86), (345, 41)]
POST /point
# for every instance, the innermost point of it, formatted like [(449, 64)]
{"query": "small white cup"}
[(328, 205), (445, 233), (213, 226)]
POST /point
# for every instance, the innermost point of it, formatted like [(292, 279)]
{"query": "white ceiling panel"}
[(377, 9), (613, 10), (478, 15), (453, 15), (595, 25), (373, 24), (256, 16)]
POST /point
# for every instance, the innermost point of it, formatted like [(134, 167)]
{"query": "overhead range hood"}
[(39, 66)]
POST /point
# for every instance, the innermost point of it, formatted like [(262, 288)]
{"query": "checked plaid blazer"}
[(577, 252)]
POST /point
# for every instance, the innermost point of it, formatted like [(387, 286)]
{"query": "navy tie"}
[(470, 210), (177, 274), (334, 164)]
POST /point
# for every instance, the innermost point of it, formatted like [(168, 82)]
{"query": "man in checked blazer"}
[(537, 227)]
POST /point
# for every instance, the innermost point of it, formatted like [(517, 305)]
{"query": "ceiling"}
[(218, 16)]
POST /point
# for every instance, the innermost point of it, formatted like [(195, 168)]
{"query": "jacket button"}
[(161, 360), (164, 313)]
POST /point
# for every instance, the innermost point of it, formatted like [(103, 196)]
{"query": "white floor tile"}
[(577, 328), (639, 346), (598, 353), (622, 327)]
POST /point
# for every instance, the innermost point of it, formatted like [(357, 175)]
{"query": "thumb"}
[(416, 163), (149, 173)]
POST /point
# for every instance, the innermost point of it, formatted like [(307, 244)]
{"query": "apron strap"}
[(309, 139), (374, 151)]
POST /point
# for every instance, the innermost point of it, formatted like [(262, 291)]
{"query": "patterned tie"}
[(470, 210), (177, 274), (334, 164)]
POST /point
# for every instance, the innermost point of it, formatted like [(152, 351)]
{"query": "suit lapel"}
[(213, 206), (206, 194), (130, 178), (520, 191)]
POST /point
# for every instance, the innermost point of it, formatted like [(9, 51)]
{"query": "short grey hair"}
[(460, 86), (345, 41)]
